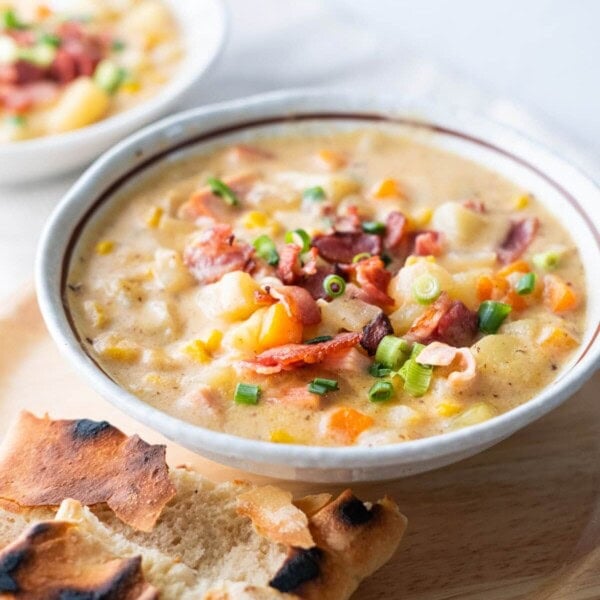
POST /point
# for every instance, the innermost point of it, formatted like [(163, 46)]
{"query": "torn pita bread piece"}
[(52, 560), (42, 462)]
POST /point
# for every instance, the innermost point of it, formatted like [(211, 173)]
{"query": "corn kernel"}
[(280, 436), (213, 341), (154, 216), (522, 201), (197, 351), (422, 217), (95, 313), (331, 159), (104, 247), (153, 379), (120, 351), (448, 408), (387, 188), (255, 219), (130, 87)]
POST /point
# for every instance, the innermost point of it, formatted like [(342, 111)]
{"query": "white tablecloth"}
[(396, 46)]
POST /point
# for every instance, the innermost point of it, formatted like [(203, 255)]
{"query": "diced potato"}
[(465, 287), (173, 233), (158, 359), (478, 413), (378, 436), (402, 318), (400, 288), (279, 328), (338, 187), (345, 314), (527, 329), (170, 272), (402, 416), (231, 298), (157, 316), (148, 19), (243, 338), (82, 103), (459, 224)]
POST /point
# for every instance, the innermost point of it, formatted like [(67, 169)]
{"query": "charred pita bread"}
[(52, 560), (42, 462)]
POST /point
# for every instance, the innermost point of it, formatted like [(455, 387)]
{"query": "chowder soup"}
[(64, 69), (354, 288)]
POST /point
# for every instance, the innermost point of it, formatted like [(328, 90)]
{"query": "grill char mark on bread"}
[(354, 512), (300, 566), (87, 429)]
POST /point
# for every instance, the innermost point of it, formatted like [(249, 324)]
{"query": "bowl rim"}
[(145, 110), (215, 443)]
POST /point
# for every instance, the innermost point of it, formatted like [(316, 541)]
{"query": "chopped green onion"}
[(9, 20), (322, 386), (118, 46), (221, 189), (49, 39), (546, 261), (314, 388), (361, 256), (265, 248), (41, 55), (526, 284), (334, 285), (426, 288), (379, 370), (16, 120), (373, 227), (319, 339), (392, 351), (381, 391), (300, 238), (417, 377), (491, 314), (314, 194), (246, 393), (109, 76)]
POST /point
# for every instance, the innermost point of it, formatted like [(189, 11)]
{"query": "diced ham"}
[(293, 396), (214, 252), (445, 321), (20, 73), (475, 205), (439, 354), (395, 229), (298, 303), (350, 222), (290, 268), (374, 280), (374, 332), (350, 359), (21, 98), (204, 203), (314, 283), (428, 243), (293, 356), (517, 240), (342, 247)]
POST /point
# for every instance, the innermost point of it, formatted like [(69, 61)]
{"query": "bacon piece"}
[(314, 283), (298, 303), (214, 252), (293, 356), (395, 228), (374, 280), (350, 359), (342, 247), (204, 203), (295, 397), (428, 243), (517, 240), (350, 222), (20, 73), (374, 332), (439, 354), (23, 97), (445, 321), (475, 205), (78, 55), (290, 269)]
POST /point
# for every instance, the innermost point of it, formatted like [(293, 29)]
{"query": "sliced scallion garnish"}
[(266, 249), (526, 284), (426, 288), (9, 20), (221, 189), (491, 315), (314, 194), (546, 261), (417, 377), (381, 391), (379, 370), (334, 286), (376, 227), (319, 339), (117, 46), (322, 386), (361, 256), (392, 351), (109, 76), (300, 238), (16, 120), (246, 393)]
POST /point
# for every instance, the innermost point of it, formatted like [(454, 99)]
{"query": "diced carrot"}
[(347, 424), (42, 11), (331, 159), (518, 266), (558, 294), (557, 338), (279, 328), (515, 300), (387, 188), (485, 288)]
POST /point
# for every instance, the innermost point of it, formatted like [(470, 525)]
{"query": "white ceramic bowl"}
[(569, 194), (203, 25)]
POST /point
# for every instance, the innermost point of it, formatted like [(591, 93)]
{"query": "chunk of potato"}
[(458, 223), (348, 314), (231, 298), (158, 316), (82, 103), (149, 19), (242, 340), (478, 413), (170, 271), (400, 288), (465, 287)]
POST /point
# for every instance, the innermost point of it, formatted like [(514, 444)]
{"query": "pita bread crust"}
[(90, 461), (53, 560)]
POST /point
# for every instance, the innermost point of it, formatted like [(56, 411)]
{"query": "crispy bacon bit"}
[(20, 98), (374, 280), (350, 359), (439, 354), (350, 222), (78, 55), (20, 73), (214, 252), (475, 205), (298, 303), (275, 517), (445, 321), (342, 247), (290, 268), (428, 243), (395, 228), (517, 240), (204, 203), (293, 356), (314, 283), (374, 332)]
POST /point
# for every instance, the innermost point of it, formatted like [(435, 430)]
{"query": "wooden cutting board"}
[(521, 520)]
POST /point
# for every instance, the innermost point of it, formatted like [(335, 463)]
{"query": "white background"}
[(534, 64)]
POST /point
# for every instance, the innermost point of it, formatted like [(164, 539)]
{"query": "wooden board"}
[(521, 520)]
